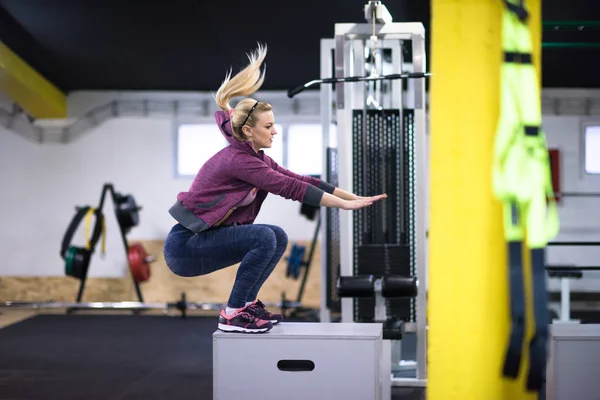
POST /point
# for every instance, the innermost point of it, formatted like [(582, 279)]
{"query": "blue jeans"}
[(257, 247)]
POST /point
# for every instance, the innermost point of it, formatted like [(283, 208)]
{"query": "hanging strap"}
[(512, 360), (518, 9), (543, 223), (99, 229), (537, 347)]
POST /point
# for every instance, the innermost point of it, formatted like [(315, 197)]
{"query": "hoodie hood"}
[(224, 122)]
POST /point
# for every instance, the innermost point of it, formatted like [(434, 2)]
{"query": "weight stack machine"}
[(374, 133)]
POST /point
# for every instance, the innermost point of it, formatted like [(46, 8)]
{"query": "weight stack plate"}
[(408, 135), (378, 168), (332, 236), (358, 181)]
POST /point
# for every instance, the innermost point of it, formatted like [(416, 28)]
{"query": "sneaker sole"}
[(232, 328)]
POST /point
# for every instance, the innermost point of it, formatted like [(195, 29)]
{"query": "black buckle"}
[(532, 130), (517, 58)]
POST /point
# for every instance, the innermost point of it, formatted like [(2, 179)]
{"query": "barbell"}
[(182, 305)]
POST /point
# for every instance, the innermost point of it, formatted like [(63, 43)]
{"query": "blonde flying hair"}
[(244, 83)]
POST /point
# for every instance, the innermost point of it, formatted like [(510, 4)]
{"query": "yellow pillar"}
[(535, 25), (468, 311)]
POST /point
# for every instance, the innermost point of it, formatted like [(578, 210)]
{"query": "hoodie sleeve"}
[(327, 187), (258, 173)]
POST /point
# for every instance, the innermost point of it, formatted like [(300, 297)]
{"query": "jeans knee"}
[(267, 239), (282, 239), (280, 236)]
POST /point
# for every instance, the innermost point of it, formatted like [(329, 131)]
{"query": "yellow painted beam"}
[(468, 310), (28, 88)]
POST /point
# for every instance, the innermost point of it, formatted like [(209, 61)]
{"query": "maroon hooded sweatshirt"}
[(230, 175)]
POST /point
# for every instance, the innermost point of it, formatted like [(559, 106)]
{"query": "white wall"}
[(579, 216), (41, 185)]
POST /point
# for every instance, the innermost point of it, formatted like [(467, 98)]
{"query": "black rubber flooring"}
[(112, 357)]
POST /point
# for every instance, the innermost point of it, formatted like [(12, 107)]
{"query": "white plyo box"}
[(300, 361), (574, 355)]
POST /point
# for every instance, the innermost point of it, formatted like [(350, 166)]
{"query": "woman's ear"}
[(247, 130)]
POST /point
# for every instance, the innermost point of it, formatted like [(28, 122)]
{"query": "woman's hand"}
[(353, 203), (342, 194), (373, 198), (361, 202)]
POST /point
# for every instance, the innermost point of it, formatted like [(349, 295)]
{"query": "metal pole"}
[(565, 297), (573, 243)]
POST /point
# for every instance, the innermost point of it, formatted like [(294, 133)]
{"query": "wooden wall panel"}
[(163, 286)]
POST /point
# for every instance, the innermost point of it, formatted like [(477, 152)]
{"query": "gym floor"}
[(115, 356)]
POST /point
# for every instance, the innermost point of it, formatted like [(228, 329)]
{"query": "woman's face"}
[(262, 133)]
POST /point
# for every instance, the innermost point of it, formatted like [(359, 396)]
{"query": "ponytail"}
[(246, 82)]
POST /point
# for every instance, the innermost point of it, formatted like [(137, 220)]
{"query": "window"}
[(196, 143), (305, 149), (592, 149), (276, 150)]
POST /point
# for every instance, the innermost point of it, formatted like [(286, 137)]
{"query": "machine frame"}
[(348, 48)]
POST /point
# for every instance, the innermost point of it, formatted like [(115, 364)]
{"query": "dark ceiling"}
[(189, 44)]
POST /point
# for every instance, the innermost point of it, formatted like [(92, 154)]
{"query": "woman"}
[(215, 217)]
